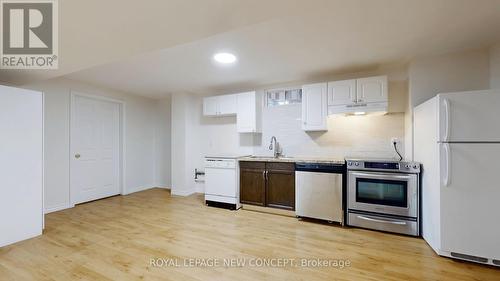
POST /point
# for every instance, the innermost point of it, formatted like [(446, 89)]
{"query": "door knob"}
[(77, 155)]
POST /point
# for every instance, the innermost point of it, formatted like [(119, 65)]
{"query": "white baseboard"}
[(56, 208), (139, 188)]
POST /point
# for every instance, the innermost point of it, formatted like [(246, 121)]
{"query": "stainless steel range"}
[(384, 195)]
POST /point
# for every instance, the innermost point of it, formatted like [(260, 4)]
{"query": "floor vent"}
[(469, 257), (496, 262)]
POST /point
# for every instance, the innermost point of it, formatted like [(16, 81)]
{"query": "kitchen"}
[(378, 191), (359, 134), (349, 140), (356, 136)]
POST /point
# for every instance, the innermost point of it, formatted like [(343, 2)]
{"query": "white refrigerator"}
[(457, 139), (21, 164)]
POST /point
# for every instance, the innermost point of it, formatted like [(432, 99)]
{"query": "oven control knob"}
[(356, 163), (407, 166), (415, 166), (349, 163)]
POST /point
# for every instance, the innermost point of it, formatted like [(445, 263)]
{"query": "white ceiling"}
[(96, 32), (282, 44)]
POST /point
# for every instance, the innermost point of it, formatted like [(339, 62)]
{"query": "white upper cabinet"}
[(371, 89), (314, 107), (210, 106), (227, 104), (342, 92), (220, 105), (248, 116), (358, 95)]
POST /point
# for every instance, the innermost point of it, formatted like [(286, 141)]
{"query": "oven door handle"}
[(381, 176), (382, 220)]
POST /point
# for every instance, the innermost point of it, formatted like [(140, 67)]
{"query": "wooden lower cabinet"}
[(253, 183), (270, 184), (280, 190)]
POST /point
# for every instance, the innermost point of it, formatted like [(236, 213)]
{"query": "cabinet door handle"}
[(264, 175), (382, 220), (447, 116), (267, 175)]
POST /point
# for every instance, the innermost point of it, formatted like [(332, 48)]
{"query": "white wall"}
[(195, 136), (214, 136), (180, 120), (140, 133), (461, 71), (495, 67), (163, 143)]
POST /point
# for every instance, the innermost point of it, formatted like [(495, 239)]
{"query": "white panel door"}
[(469, 116), (470, 199), (227, 104), (342, 92), (372, 89), (21, 164), (314, 107), (210, 106), (95, 149)]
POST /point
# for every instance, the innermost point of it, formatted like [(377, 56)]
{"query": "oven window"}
[(382, 192)]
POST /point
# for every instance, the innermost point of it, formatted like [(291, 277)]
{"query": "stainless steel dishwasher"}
[(319, 191)]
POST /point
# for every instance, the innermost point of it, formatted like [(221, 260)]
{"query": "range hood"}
[(372, 108)]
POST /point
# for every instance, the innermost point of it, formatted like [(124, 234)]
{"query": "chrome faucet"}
[(277, 148)]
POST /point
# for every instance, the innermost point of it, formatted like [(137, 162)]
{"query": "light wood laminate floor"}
[(116, 238)]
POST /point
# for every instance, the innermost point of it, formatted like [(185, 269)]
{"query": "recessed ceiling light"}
[(359, 113), (225, 58)]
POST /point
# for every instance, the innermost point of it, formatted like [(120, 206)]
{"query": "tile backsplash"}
[(353, 136)]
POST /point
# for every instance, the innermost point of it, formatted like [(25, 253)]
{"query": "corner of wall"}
[(466, 70), (494, 53)]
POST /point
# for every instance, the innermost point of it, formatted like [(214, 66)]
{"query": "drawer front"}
[(252, 165), (401, 226), (280, 166)]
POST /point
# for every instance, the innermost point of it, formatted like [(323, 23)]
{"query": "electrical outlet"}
[(395, 141), (396, 144)]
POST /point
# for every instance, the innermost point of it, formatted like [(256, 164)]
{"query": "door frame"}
[(122, 161)]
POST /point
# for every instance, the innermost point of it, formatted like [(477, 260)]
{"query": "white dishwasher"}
[(222, 187), (319, 191)]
